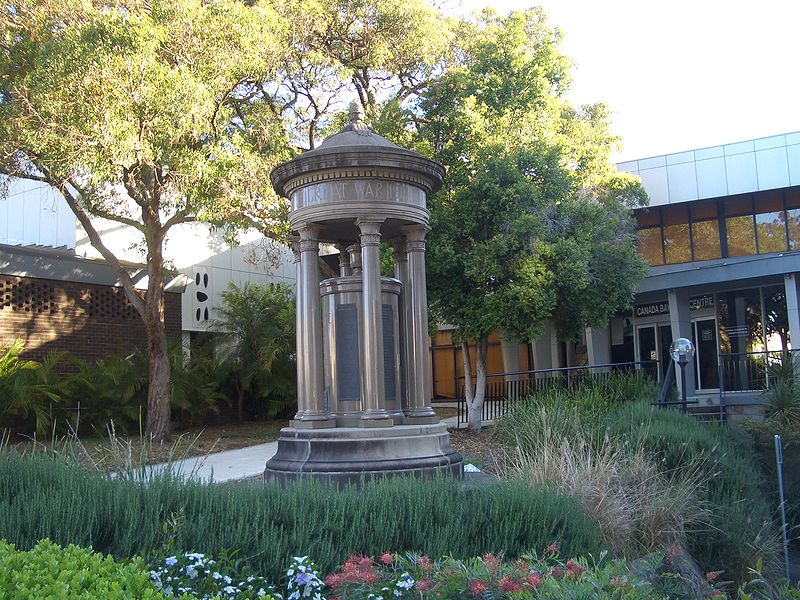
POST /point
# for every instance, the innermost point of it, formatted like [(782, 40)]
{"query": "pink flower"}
[(424, 562), (387, 558), (333, 580), (423, 585), (552, 548), (533, 580), (476, 587), (557, 572), (506, 584), (492, 562), (574, 568), (366, 561)]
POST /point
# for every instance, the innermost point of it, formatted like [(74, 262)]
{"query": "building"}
[(722, 237)]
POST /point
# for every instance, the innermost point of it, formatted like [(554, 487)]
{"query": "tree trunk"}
[(159, 368), (475, 422), (468, 390)]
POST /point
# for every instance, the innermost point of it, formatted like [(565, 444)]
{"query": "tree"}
[(532, 223), (261, 322), (138, 112)]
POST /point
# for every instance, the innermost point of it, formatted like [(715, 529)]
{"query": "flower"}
[(191, 572), (387, 558), (406, 582), (424, 563), (171, 561), (557, 572), (712, 576), (476, 587), (533, 580), (618, 581), (424, 585), (574, 568), (506, 584), (492, 562), (552, 548)]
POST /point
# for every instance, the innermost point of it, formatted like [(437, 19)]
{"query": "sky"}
[(679, 74)]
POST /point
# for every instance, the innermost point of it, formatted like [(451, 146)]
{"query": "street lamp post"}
[(682, 351)]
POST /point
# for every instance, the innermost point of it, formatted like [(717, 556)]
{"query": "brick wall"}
[(88, 321)]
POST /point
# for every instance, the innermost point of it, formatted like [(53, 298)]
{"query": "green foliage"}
[(741, 526), (48, 571), (782, 398), (42, 497), (27, 392), (261, 356), (532, 222)]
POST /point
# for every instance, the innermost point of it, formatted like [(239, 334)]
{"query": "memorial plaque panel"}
[(347, 370), (389, 365)]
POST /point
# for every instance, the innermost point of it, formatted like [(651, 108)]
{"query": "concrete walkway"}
[(234, 464)]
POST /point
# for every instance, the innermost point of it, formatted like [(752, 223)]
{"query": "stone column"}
[(344, 261), (300, 352), (313, 411), (598, 347), (374, 414), (404, 317), (419, 381), (680, 318)]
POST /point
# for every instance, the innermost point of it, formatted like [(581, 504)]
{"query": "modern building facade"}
[(722, 237)]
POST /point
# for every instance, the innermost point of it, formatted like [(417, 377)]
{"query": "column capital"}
[(415, 237), (309, 231), (398, 244), (294, 244), (370, 231)]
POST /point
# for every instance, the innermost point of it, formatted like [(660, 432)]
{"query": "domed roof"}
[(357, 146)]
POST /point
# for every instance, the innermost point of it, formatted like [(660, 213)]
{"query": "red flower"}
[(423, 585), (366, 561), (506, 584), (552, 548), (574, 568), (476, 587), (333, 580), (387, 558), (492, 562), (533, 580), (557, 572), (712, 576), (424, 562)]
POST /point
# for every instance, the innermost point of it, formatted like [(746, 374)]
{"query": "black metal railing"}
[(749, 371), (502, 389)]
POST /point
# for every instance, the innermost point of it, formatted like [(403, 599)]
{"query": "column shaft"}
[(402, 275), (680, 318), (419, 384), (315, 410), (302, 393), (374, 414)]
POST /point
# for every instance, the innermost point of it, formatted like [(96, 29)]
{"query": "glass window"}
[(649, 245), (741, 237), (776, 318), (793, 220), (677, 248), (705, 237), (771, 232)]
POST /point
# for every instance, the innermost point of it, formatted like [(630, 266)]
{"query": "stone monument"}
[(362, 340)]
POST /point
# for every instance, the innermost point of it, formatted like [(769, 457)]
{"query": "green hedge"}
[(48, 571), (43, 498)]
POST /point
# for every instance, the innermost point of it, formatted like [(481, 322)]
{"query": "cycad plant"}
[(782, 397), (260, 321), (28, 389)]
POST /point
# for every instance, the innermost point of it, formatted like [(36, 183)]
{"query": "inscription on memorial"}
[(388, 353), (355, 191), (347, 371)]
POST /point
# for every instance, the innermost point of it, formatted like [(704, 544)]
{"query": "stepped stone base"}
[(347, 454)]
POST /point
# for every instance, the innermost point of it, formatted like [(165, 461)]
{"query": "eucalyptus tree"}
[(137, 113), (533, 222)]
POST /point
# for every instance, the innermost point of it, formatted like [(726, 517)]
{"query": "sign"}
[(740, 331), (662, 308)]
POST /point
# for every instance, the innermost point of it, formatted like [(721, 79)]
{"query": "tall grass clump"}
[(636, 505), (740, 525), (43, 497)]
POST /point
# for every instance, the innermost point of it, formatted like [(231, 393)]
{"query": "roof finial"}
[(355, 112)]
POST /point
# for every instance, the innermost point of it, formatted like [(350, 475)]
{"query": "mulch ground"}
[(478, 449)]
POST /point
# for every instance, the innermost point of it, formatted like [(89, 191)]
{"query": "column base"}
[(375, 422), (312, 424), (422, 419)]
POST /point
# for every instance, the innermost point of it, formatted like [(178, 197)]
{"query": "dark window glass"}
[(647, 217), (793, 219), (649, 244), (738, 205), (707, 209), (705, 237), (676, 244), (776, 318), (740, 235), (771, 232)]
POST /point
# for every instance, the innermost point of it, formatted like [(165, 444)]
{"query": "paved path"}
[(235, 464)]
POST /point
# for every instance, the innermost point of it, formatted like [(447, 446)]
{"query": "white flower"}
[(229, 590), (261, 593), (191, 572), (171, 561), (227, 579), (217, 576)]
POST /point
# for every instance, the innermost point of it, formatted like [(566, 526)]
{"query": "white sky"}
[(680, 74)]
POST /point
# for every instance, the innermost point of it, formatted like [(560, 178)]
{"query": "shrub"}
[(42, 497), (48, 571), (638, 507), (741, 530)]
